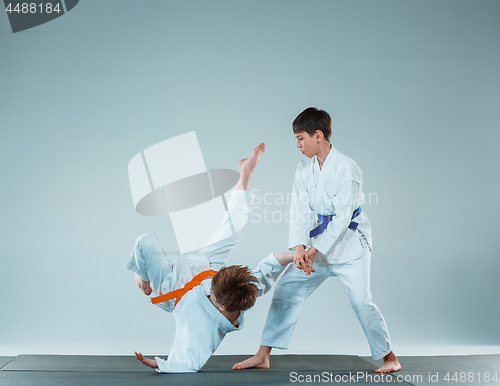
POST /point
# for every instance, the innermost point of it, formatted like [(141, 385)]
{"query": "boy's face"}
[(307, 144)]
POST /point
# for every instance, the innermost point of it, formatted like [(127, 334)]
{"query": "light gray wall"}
[(413, 88)]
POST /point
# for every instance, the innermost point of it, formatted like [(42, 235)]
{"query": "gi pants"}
[(294, 287)]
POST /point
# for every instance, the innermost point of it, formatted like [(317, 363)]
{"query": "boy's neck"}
[(232, 317), (323, 152)]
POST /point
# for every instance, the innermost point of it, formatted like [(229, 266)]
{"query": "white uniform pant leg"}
[(289, 294), (355, 276), (219, 248), (150, 262)]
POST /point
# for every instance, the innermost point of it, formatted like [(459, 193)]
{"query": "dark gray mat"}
[(215, 363), (75, 363), (250, 378), (418, 370), (41, 370), (5, 360)]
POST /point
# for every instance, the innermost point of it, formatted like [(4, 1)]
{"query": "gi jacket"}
[(200, 326), (335, 190)]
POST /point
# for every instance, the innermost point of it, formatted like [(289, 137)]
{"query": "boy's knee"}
[(146, 238), (288, 293), (362, 303)]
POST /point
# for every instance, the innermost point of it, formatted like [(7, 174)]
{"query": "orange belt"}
[(179, 293)]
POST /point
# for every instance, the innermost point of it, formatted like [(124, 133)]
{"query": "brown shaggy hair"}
[(233, 288), (312, 119)]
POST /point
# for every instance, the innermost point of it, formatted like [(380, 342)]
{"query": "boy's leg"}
[(223, 241), (149, 262), (356, 278), (227, 235), (289, 294)]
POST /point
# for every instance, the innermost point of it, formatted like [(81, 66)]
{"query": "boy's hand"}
[(310, 255), (299, 257), (145, 361)]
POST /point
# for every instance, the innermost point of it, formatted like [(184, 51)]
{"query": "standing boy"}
[(338, 243)]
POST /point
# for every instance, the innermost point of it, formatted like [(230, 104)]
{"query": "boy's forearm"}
[(269, 269), (284, 258)]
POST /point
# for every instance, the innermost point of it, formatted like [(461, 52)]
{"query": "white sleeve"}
[(267, 272), (171, 366), (343, 202), (300, 213), (187, 360)]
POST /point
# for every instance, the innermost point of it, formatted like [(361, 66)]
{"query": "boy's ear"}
[(319, 135)]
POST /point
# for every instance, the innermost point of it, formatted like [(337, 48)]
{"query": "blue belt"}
[(326, 219)]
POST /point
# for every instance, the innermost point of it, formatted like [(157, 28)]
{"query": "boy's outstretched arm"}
[(145, 361), (269, 268), (284, 258)]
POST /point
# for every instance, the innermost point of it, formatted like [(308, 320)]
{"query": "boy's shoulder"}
[(345, 161), (346, 168)]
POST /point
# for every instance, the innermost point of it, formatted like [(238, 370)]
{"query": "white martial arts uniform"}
[(335, 189), (200, 326)]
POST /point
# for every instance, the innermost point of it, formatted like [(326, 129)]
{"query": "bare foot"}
[(143, 285), (390, 364), (253, 362), (248, 165), (259, 360)]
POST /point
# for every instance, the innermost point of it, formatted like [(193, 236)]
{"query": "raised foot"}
[(391, 364), (247, 165), (253, 362)]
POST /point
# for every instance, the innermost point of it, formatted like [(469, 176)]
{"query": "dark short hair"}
[(312, 119), (234, 288)]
